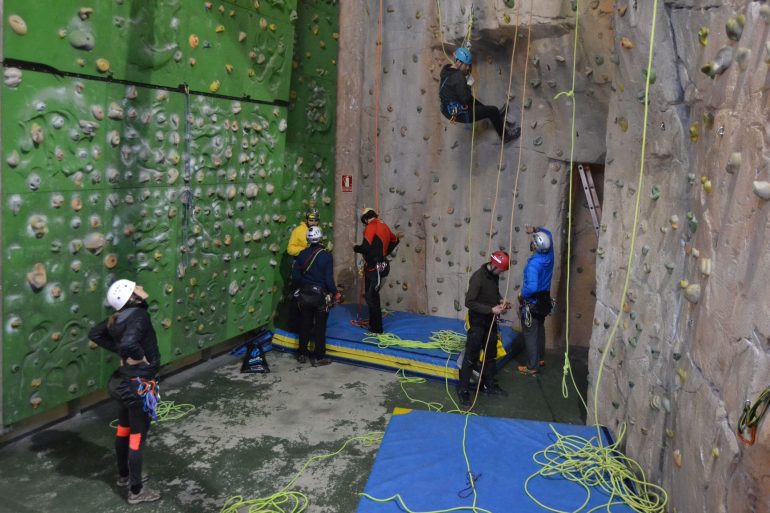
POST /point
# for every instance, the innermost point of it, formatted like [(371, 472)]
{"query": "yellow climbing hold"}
[(229, 68), (214, 86), (703, 36), (626, 43), (103, 65), (682, 374), (694, 132), (219, 29), (273, 27)]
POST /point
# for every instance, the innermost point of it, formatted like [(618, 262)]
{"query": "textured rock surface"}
[(682, 363)]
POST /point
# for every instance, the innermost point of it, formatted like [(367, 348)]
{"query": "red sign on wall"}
[(347, 183)]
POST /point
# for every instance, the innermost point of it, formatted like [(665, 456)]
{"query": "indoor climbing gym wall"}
[(149, 141), (691, 343)]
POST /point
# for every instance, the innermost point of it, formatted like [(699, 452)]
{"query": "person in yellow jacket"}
[(298, 238)]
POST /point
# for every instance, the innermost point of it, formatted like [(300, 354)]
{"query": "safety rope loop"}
[(568, 94)]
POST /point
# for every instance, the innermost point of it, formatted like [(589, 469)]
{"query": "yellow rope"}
[(167, 411), (285, 501), (451, 342), (591, 463)]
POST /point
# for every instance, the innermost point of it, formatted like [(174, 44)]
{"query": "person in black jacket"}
[(458, 103), (313, 274), (484, 305), (129, 333)]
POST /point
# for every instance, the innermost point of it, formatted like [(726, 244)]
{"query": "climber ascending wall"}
[(458, 103)]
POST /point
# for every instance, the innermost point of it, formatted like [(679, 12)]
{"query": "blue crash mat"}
[(421, 459), (344, 341)]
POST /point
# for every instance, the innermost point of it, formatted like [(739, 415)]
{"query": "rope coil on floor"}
[(286, 501), (451, 342)]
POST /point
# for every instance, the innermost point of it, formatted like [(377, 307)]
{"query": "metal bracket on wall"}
[(590, 191)]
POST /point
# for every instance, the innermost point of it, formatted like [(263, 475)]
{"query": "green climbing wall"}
[(111, 169)]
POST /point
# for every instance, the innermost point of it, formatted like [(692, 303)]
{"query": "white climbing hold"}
[(762, 189)]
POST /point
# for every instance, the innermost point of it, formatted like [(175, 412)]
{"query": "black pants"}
[(534, 341), (482, 112), (372, 285), (480, 336), (312, 323), (133, 426)]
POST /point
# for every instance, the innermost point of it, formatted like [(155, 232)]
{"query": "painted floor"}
[(249, 435)]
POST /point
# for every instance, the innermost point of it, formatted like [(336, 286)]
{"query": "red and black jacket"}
[(378, 242)]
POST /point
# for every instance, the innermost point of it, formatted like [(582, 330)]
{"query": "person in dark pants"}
[(458, 103), (129, 333), (298, 242), (313, 274), (535, 298), (378, 243), (484, 305)]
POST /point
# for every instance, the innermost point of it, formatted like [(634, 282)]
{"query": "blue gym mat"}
[(421, 459), (344, 341)]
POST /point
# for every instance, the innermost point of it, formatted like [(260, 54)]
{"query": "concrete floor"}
[(249, 436)]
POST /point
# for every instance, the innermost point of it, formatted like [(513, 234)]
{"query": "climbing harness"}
[(149, 391), (751, 416)]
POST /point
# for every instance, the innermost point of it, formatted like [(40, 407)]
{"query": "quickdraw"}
[(149, 389), (751, 416)]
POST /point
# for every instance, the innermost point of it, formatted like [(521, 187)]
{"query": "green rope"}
[(285, 501), (167, 411)]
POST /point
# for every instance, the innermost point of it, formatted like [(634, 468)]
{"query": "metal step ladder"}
[(590, 191)]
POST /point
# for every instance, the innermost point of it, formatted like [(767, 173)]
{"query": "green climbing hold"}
[(694, 132), (653, 75), (692, 222), (528, 103), (599, 60), (708, 120), (655, 192), (623, 124), (703, 36)]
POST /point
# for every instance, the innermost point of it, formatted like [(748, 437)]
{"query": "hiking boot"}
[(464, 396), (321, 362), (523, 369), (493, 389), (301, 358), (512, 134), (125, 481), (146, 494)]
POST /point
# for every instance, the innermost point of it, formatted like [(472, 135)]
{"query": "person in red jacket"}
[(378, 243)]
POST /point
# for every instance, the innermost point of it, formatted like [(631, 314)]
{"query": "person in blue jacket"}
[(535, 298), (313, 274)]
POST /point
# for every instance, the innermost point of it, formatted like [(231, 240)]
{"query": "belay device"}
[(255, 359)]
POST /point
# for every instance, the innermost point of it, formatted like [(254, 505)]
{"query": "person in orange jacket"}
[(378, 243)]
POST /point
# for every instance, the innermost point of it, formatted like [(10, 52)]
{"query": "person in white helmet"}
[(129, 333), (535, 298), (313, 275)]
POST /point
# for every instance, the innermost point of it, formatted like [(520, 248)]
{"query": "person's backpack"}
[(255, 358)]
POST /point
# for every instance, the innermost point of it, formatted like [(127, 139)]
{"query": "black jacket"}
[(318, 266), (131, 336), (453, 87), (483, 294)]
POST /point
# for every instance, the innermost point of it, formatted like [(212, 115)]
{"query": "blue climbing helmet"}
[(463, 55)]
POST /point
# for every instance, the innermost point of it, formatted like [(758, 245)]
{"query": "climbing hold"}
[(242, 37), (692, 293), (626, 43), (707, 186), (12, 77), (694, 131), (683, 284), (703, 36), (655, 192), (214, 86), (720, 64), (623, 124), (193, 41), (102, 65), (85, 12), (734, 162), (674, 221), (692, 222), (17, 24), (653, 75), (762, 190), (677, 458), (219, 29), (229, 68), (38, 277), (705, 266), (742, 57), (708, 120), (682, 374), (734, 27)]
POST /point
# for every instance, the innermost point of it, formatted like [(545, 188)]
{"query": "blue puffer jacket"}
[(538, 272)]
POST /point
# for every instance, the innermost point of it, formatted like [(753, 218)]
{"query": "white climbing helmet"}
[(314, 234), (119, 293), (541, 241)]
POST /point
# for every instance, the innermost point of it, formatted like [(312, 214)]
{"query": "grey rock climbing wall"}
[(693, 338)]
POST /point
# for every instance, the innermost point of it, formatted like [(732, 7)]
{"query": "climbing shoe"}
[(528, 372), (301, 358), (321, 362), (512, 134), (493, 389), (145, 495), (125, 481), (464, 396)]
